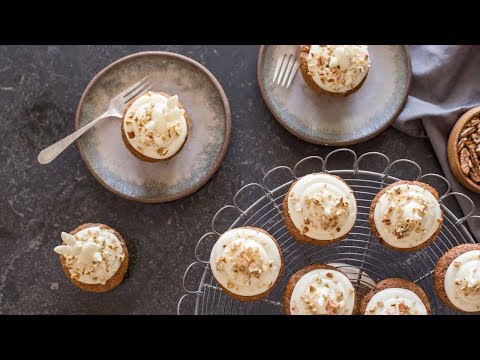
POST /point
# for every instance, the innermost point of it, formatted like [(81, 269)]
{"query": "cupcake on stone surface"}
[(395, 296), (406, 215), (337, 70), (246, 262), (155, 126), (94, 257), (457, 278), (319, 209), (319, 290)]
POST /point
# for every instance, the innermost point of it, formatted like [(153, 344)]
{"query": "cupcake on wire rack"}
[(406, 215), (319, 209), (319, 290), (395, 296), (457, 278), (246, 262)]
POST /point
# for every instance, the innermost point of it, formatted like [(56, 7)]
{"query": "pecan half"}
[(464, 158)]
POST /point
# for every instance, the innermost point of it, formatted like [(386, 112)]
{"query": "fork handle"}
[(50, 153)]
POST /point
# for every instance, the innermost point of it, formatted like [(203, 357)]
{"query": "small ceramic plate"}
[(105, 154), (327, 120)]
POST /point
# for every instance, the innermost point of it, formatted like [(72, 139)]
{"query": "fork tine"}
[(289, 68), (277, 67), (282, 70), (131, 88), (292, 74), (137, 91)]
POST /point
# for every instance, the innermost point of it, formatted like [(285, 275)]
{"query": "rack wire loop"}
[(465, 197), (180, 302), (372, 153), (190, 267), (449, 186), (217, 214), (235, 198), (269, 173), (359, 250), (196, 254), (386, 173), (353, 153), (304, 160)]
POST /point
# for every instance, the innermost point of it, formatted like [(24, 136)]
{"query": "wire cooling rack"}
[(360, 254)]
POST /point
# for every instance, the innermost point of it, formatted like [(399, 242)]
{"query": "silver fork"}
[(115, 109), (286, 69)]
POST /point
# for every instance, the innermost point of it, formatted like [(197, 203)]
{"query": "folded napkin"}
[(445, 84)]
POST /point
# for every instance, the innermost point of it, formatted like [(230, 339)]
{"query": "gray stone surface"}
[(40, 87)]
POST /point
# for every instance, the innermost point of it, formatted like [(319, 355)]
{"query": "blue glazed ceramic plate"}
[(112, 164), (338, 121)]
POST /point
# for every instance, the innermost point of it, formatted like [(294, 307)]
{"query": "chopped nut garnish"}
[(329, 275), (162, 151)]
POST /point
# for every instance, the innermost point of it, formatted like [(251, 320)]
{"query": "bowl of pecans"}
[(464, 149)]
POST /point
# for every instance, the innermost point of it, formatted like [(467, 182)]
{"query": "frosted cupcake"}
[(319, 209), (334, 69), (395, 296), (94, 257), (406, 215), (457, 278), (319, 290), (155, 126), (246, 262)]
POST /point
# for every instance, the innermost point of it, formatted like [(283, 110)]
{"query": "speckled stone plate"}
[(338, 121), (105, 154)]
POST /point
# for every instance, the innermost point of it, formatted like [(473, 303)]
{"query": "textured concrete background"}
[(40, 87)]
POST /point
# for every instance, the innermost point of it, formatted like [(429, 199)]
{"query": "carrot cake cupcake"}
[(94, 257), (246, 262), (319, 209), (457, 278), (406, 215), (334, 69), (155, 126), (395, 296), (319, 290)]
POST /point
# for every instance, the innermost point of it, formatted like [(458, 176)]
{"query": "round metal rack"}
[(360, 254)]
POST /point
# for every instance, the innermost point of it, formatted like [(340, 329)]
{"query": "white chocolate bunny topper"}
[(85, 252)]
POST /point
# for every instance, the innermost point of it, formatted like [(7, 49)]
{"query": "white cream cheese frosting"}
[(246, 261), (93, 255), (462, 281), (396, 301), (338, 68), (322, 206), (323, 292), (407, 215), (155, 125)]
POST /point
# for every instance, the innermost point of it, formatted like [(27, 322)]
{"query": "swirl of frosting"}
[(323, 292), (407, 215), (155, 125), (338, 68), (462, 281), (322, 206), (246, 261), (396, 301), (93, 255)]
